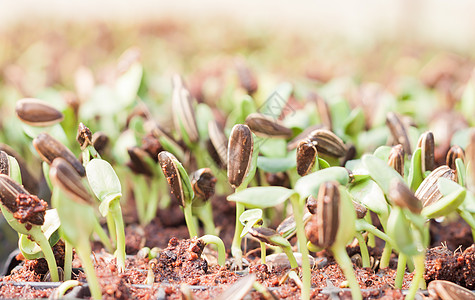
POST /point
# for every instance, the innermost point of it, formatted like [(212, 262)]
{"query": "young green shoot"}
[(212, 239)]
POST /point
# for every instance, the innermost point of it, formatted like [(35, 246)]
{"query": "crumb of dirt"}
[(457, 267)]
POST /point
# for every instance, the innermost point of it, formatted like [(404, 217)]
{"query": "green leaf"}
[(381, 173), (454, 195), (127, 85), (368, 193), (355, 122), (185, 183), (262, 197), (250, 218), (310, 184), (204, 114), (323, 164), (274, 165), (461, 171), (415, 176), (382, 152), (399, 229), (273, 147), (14, 171), (104, 182)]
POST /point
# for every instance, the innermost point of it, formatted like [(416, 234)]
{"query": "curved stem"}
[(212, 239), (363, 250), (41, 240), (290, 255), (190, 223), (418, 276), (68, 260), (84, 252), (401, 269), (302, 241), (120, 232), (103, 236), (65, 286), (344, 261)]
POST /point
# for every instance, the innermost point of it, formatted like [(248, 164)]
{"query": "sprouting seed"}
[(312, 204), (138, 162), (328, 143), (396, 159), (66, 177), (36, 112), (398, 131), (240, 149), (4, 163), (428, 192), (360, 209), (100, 141), (265, 235), (454, 152), (172, 175), (322, 228), (218, 141), (323, 111), (246, 78), (49, 148), (203, 183), (306, 156), (26, 208), (266, 126), (84, 136), (403, 197), (28, 179), (427, 145), (183, 114), (301, 136)]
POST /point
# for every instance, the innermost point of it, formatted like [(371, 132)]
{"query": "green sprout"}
[(212, 239)]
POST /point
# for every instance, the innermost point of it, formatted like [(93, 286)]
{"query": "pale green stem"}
[(236, 245), (205, 214), (290, 255), (469, 219), (84, 252), (103, 236), (140, 196), (401, 270), (68, 260), (339, 252), (111, 228), (65, 286), (371, 239), (190, 223), (212, 239), (361, 225), (363, 250), (418, 276), (42, 241), (116, 212), (152, 202), (386, 256), (263, 252), (297, 207)]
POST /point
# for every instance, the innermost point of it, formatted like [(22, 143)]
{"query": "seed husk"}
[(403, 197), (306, 156), (49, 148), (312, 204), (322, 227), (301, 136), (328, 143), (323, 111), (266, 126), (398, 131), (84, 136), (240, 149), (29, 181), (360, 209), (137, 161), (165, 159), (36, 112), (265, 235), (65, 176), (396, 159), (100, 141), (183, 114), (288, 227), (427, 145), (203, 183), (218, 141), (446, 290), (26, 208), (428, 192), (4, 163), (454, 152), (247, 79)]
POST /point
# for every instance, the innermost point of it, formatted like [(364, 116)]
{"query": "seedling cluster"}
[(335, 166)]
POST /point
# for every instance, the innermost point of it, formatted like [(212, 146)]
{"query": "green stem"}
[(65, 286), (140, 195), (111, 228), (152, 206), (297, 207), (469, 219), (344, 261), (205, 214), (103, 236), (386, 256), (263, 253), (363, 250), (418, 276), (361, 225), (84, 252), (371, 239), (190, 223), (42, 241), (116, 212), (401, 270), (212, 239), (68, 260), (290, 255), (236, 245)]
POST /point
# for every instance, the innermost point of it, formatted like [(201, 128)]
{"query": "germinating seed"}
[(266, 126), (427, 145), (328, 143), (37, 112), (428, 192), (398, 131), (454, 152), (396, 159), (240, 148)]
